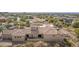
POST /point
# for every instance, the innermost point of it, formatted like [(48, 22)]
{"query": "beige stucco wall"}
[(6, 36), (54, 37), (18, 39)]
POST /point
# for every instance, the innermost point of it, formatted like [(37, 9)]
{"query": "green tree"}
[(51, 20), (70, 43), (9, 21), (75, 24), (77, 32), (24, 18), (55, 21), (27, 23)]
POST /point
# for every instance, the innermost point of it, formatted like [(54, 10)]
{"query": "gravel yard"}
[(5, 44)]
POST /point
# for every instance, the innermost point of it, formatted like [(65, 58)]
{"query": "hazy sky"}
[(39, 5)]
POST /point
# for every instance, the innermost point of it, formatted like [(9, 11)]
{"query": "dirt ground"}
[(5, 44)]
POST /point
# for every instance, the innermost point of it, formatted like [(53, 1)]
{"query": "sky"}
[(39, 6)]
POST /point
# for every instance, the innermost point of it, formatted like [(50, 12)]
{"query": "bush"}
[(77, 32), (70, 43), (76, 24)]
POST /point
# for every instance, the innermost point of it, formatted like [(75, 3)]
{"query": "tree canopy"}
[(75, 24)]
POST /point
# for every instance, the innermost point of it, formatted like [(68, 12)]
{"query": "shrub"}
[(76, 24), (77, 32)]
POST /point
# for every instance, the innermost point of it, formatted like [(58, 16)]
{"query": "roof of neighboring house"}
[(35, 20), (36, 24), (3, 19)]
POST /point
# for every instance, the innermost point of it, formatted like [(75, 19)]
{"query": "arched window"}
[(27, 36), (40, 36)]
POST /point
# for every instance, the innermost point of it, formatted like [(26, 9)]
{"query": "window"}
[(17, 36), (40, 36), (27, 36)]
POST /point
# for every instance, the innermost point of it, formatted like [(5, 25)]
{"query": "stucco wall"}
[(6, 36), (54, 37), (22, 38)]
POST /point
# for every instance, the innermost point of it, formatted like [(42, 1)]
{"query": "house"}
[(68, 20), (3, 19), (37, 22), (45, 32)]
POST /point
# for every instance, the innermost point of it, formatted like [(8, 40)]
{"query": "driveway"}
[(5, 44)]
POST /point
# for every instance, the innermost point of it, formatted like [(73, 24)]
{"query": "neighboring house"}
[(44, 32), (3, 19), (18, 19), (68, 20), (37, 22)]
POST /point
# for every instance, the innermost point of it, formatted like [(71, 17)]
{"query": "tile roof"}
[(7, 31), (47, 29), (62, 31), (27, 30), (18, 32)]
